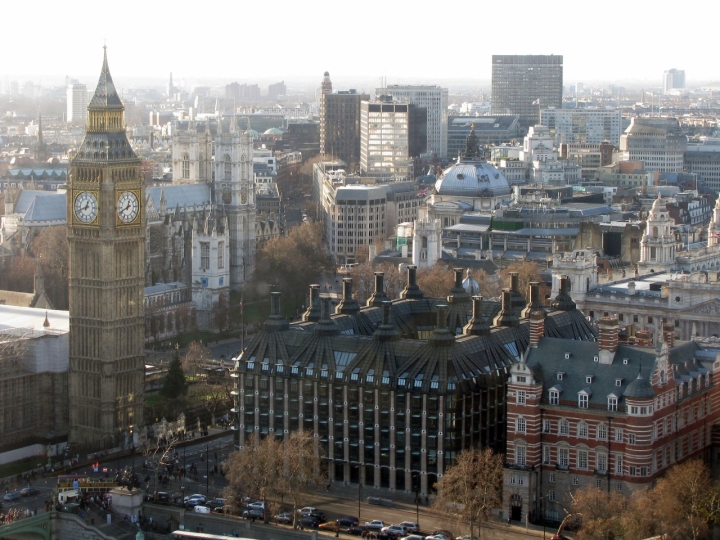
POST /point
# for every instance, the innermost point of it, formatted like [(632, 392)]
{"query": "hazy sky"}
[(298, 40)]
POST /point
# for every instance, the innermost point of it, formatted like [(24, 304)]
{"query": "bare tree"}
[(437, 281), (600, 511), (256, 470), (52, 248), (301, 469), (195, 357), (472, 487), (159, 457), (215, 398)]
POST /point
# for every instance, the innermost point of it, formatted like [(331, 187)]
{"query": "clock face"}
[(128, 207), (86, 207)]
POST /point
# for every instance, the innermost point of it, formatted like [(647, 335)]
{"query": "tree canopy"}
[(175, 385)]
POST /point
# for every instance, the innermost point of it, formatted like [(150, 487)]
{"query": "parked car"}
[(257, 505), (396, 530), (29, 491), (195, 500), (447, 535), (216, 503), (309, 522), (348, 521), (307, 511), (330, 526), (11, 496), (254, 513), (410, 526), (285, 518), (357, 530), (375, 525)]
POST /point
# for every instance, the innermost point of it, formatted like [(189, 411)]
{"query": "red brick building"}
[(603, 414)]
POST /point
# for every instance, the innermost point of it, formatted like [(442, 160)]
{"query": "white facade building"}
[(384, 140), (657, 142), (591, 125), (673, 79), (435, 100), (210, 266), (191, 152), (77, 102)]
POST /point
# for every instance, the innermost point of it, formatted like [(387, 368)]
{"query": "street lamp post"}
[(416, 478), (207, 471)]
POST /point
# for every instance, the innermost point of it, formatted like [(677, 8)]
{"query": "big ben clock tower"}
[(106, 233)]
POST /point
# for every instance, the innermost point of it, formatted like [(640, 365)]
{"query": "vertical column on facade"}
[(256, 385), (500, 409), (301, 406), (241, 411), (377, 480), (331, 435), (440, 435), (408, 456), (393, 472), (423, 446), (316, 423), (362, 473), (271, 412), (463, 407), (346, 436), (286, 410)]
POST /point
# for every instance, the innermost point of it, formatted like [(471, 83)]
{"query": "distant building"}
[(488, 130), (239, 91), (591, 126), (77, 102), (340, 123), (673, 79), (523, 84), (626, 174), (590, 157), (703, 159), (391, 134), (276, 90), (435, 100), (658, 142)]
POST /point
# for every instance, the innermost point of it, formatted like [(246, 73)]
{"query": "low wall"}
[(217, 524)]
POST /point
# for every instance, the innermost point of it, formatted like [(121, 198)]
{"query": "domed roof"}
[(254, 134), (473, 179), (273, 131), (640, 388), (470, 285)]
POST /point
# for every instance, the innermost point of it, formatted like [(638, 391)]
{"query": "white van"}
[(69, 496), (202, 509)]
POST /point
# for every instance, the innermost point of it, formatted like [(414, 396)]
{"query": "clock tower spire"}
[(106, 236)]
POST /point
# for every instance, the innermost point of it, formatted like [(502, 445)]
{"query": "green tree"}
[(175, 385), (472, 487)]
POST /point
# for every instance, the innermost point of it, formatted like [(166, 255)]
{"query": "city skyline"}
[(292, 43)]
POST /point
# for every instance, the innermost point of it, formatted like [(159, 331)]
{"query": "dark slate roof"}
[(640, 388), (548, 359), (105, 95)]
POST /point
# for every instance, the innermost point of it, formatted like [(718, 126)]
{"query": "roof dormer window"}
[(618, 382), (589, 379), (560, 375)]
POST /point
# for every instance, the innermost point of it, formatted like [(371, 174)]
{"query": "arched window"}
[(228, 169), (185, 166), (655, 232)]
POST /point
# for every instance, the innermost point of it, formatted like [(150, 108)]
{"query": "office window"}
[(602, 432), (185, 166), (612, 403), (551, 495), (204, 255), (564, 427), (552, 477), (583, 401), (601, 464), (575, 481), (563, 457), (521, 397), (618, 464), (582, 459), (547, 426), (631, 438), (618, 435), (520, 455), (582, 430), (546, 455), (520, 424)]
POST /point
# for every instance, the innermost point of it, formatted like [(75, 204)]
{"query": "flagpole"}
[(242, 324)]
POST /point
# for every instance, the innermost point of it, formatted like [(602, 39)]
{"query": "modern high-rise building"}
[(340, 123), (276, 90), (390, 137), (77, 102), (591, 126), (658, 142), (703, 159), (106, 236), (673, 79), (432, 98), (523, 84)]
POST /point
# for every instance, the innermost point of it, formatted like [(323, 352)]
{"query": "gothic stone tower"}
[(106, 233), (235, 190)]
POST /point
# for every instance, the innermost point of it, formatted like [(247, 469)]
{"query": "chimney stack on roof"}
[(325, 326), (348, 305), (275, 321), (534, 302), (668, 331), (518, 302), (441, 336), (562, 301), (312, 313), (411, 290), (477, 326), (507, 316), (608, 328), (378, 296), (537, 327)]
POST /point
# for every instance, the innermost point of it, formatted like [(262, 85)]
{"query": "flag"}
[(423, 193), (536, 102)]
